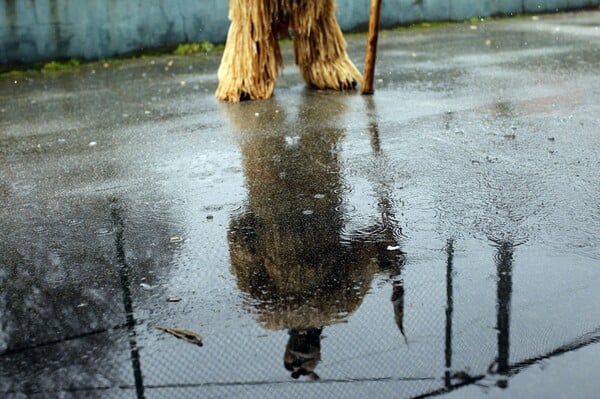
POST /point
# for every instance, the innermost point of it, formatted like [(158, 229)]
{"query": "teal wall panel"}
[(38, 30)]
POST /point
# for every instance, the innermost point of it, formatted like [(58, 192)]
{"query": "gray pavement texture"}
[(437, 238)]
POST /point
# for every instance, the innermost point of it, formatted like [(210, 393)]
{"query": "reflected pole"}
[(373, 126), (389, 222)]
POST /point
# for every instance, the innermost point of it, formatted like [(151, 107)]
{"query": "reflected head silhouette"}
[(303, 353)]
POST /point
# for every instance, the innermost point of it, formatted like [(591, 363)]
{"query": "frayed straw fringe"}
[(252, 56), (320, 47)]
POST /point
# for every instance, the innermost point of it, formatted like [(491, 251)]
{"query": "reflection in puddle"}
[(67, 296), (504, 266), (303, 270), (289, 250)]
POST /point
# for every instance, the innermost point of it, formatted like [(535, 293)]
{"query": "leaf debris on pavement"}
[(186, 335)]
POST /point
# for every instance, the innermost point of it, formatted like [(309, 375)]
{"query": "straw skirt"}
[(252, 57)]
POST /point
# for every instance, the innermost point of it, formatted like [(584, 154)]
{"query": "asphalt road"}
[(466, 189)]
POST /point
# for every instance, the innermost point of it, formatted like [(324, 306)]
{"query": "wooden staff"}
[(367, 85)]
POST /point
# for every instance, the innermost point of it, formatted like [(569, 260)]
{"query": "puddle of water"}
[(371, 279)]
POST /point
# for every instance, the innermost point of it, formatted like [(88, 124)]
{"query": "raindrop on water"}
[(104, 231)]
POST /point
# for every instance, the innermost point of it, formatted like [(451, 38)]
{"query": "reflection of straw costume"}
[(252, 57), (289, 249), (286, 249)]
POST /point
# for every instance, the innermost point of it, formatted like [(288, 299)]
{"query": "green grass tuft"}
[(193, 48), (58, 66)]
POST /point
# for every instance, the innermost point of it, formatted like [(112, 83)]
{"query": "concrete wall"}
[(38, 30), (34, 30), (353, 14)]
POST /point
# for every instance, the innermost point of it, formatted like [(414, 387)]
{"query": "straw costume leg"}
[(320, 47), (252, 58)]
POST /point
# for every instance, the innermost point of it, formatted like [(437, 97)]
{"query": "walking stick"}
[(367, 85)]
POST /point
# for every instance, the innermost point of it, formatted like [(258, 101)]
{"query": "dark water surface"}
[(438, 237)]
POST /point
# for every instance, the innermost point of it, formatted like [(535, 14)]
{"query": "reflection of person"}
[(289, 249)]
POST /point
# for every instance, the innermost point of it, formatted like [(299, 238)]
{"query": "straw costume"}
[(252, 56)]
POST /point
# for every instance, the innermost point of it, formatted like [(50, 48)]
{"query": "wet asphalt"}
[(437, 238)]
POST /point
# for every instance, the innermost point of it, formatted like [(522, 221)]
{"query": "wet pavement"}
[(437, 238)]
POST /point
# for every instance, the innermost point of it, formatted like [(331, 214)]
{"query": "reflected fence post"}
[(125, 282), (449, 311), (504, 266)]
